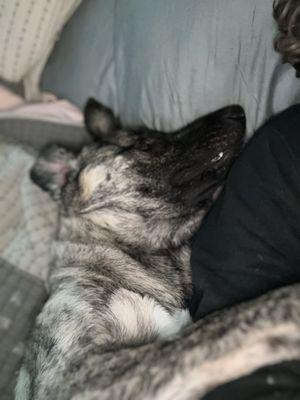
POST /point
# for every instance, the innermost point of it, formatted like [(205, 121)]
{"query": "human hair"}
[(287, 42)]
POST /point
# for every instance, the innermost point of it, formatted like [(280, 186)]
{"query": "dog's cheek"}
[(50, 176)]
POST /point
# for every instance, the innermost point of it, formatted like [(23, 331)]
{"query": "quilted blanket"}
[(28, 220)]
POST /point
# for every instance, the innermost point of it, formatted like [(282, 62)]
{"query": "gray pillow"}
[(163, 63)]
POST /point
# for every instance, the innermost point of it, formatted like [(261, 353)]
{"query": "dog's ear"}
[(51, 170), (99, 120), (105, 127)]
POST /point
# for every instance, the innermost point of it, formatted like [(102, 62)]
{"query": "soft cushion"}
[(28, 31), (164, 63)]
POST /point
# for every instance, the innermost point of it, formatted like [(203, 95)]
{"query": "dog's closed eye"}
[(90, 179), (218, 157)]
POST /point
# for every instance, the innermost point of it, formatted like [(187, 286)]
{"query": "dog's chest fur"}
[(127, 295)]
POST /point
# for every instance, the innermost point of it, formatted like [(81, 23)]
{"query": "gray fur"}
[(115, 325)]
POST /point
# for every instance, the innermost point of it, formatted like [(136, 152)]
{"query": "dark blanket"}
[(250, 242)]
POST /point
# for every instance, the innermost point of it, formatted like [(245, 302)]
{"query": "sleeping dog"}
[(116, 324)]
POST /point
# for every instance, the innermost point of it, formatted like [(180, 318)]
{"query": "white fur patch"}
[(112, 220), (169, 325), (135, 314), (90, 179)]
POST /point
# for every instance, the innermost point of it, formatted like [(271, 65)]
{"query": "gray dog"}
[(116, 325)]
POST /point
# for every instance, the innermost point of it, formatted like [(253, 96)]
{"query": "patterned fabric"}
[(27, 215), (21, 298), (28, 30), (38, 134), (27, 226)]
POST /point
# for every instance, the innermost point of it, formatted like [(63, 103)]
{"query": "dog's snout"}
[(235, 113)]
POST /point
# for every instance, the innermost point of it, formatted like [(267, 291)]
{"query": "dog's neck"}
[(131, 230), (74, 231), (78, 243)]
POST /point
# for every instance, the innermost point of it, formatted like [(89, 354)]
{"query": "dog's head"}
[(143, 185)]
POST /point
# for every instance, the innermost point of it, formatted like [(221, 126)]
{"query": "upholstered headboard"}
[(28, 31), (162, 63)]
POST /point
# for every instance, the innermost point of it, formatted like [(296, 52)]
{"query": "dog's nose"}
[(236, 113)]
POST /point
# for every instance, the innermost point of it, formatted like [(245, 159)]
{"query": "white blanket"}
[(28, 216)]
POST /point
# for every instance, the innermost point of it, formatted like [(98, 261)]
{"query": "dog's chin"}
[(216, 178), (218, 171)]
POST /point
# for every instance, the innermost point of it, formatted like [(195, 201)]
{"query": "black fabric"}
[(279, 382), (250, 243)]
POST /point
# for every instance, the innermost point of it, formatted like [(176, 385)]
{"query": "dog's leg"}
[(270, 346), (211, 352)]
